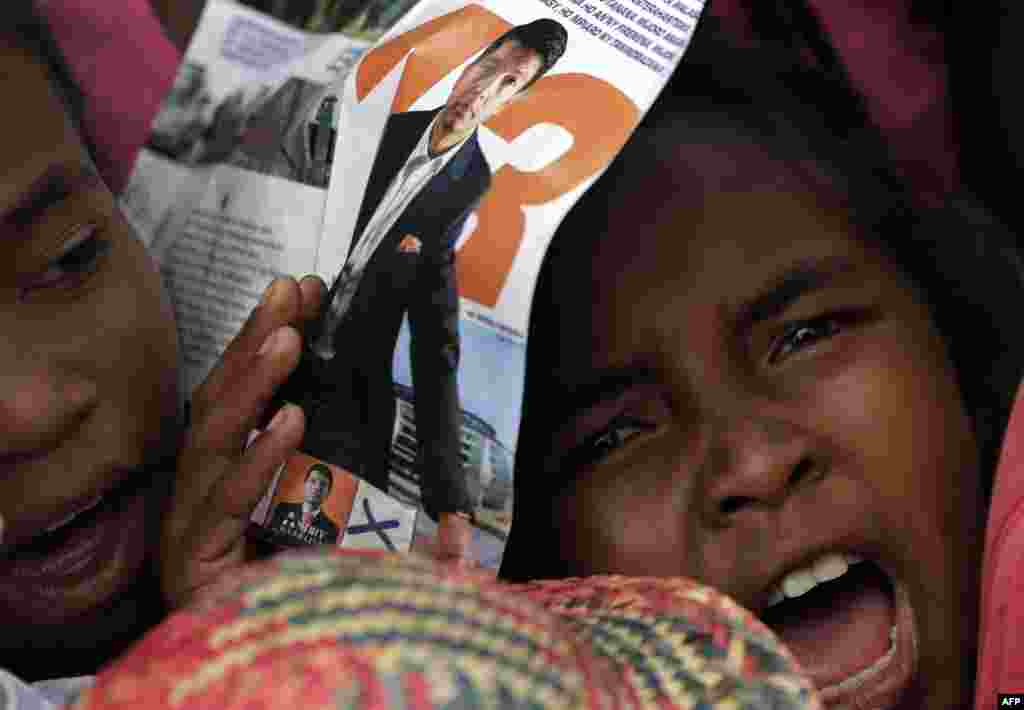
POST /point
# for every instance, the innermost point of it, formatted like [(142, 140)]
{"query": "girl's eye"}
[(618, 432), (79, 258), (803, 334)]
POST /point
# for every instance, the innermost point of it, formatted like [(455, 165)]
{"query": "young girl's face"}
[(88, 364), (764, 396)]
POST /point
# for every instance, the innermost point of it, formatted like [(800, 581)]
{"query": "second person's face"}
[(88, 369), (760, 402)]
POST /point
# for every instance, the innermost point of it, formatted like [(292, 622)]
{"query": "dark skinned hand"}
[(219, 480)]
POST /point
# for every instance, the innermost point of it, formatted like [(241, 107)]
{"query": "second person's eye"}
[(80, 255), (803, 334), (613, 436)]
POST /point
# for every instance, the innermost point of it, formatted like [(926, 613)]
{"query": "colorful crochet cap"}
[(322, 629)]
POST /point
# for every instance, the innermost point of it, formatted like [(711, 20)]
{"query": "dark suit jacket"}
[(423, 284), (287, 520)]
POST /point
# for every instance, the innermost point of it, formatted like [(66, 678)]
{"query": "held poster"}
[(463, 138)]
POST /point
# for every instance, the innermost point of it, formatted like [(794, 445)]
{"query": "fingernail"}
[(279, 418), (270, 344), (268, 292)]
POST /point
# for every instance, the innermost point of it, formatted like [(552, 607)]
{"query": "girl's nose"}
[(754, 465)]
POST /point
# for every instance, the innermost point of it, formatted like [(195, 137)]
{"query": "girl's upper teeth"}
[(800, 581)]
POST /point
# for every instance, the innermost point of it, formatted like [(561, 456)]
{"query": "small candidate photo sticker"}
[(310, 503)]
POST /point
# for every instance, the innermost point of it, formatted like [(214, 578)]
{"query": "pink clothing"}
[(899, 67), (124, 64), (1001, 640)]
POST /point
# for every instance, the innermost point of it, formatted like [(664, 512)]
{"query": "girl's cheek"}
[(625, 528), (147, 344)]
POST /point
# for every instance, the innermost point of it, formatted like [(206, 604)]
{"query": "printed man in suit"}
[(306, 521), (428, 177)]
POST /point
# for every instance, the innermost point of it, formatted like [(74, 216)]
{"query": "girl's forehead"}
[(710, 239), (686, 165), (673, 197), (680, 266)]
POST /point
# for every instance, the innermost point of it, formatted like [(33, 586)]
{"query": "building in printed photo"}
[(369, 18), (485, 460)]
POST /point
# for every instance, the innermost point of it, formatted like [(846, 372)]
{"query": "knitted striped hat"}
[(320, 628)]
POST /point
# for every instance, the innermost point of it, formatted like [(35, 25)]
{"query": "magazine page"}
[(229, 190), (467, 134)]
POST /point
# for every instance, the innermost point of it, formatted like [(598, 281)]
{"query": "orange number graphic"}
[(597, 115)]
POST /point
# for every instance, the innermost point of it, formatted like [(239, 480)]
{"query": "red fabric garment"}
[(124, 64), (1001, 640), (899, 67)]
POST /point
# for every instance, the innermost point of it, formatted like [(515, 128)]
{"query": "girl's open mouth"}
[(72, 549), (850, 626)]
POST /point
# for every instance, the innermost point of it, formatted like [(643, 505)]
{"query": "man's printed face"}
[(317, 487), (488, 85)]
